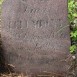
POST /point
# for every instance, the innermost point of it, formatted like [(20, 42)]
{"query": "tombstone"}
[(35, 35)]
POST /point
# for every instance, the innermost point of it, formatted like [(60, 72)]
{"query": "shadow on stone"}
[(4, 67)]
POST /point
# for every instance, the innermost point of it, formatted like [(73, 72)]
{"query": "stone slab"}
[(35, 35)]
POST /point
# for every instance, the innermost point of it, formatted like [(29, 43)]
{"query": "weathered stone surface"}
[(35, 35)]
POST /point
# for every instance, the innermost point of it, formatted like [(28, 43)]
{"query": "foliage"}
[(1, 2), (72, 10), (72, 15), (72, 48)]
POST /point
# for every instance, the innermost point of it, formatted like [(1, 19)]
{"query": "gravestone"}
[(35, 35)]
